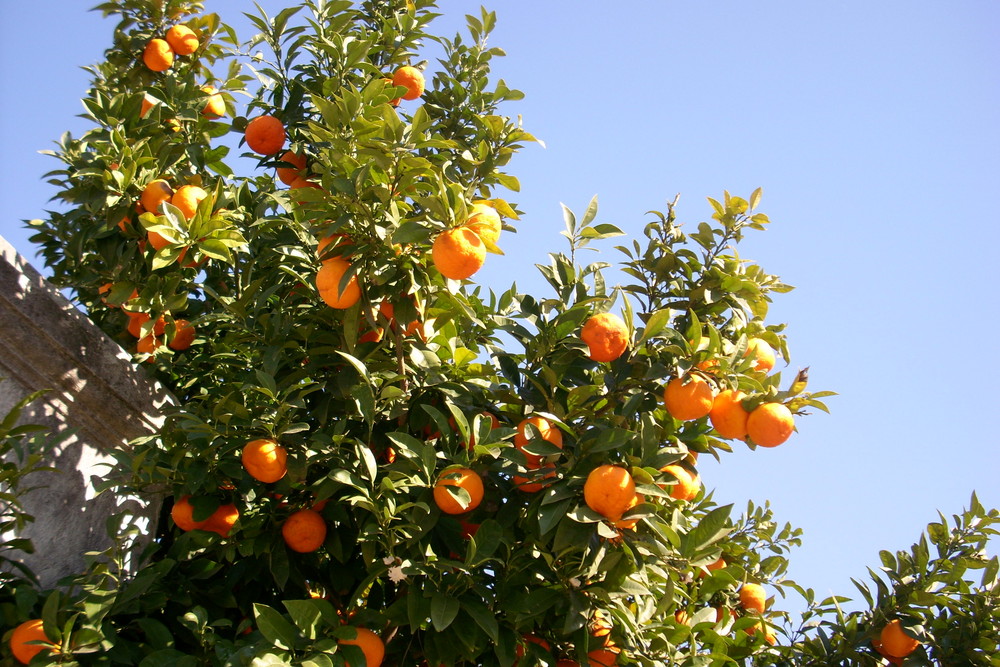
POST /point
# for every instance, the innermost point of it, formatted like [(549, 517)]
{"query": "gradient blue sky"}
[(873, 130)]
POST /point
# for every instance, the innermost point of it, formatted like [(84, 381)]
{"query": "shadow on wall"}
[(99, 401)]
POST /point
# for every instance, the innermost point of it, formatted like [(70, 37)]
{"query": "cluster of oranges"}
[(693, 397), (159, 53)]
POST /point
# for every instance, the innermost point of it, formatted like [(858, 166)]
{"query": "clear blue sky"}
[(873, 129)]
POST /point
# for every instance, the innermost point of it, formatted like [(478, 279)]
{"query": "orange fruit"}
[(184, 334), (265, 135), (265, 460), (600, 626), (458, 253), (328, 282), (183, 514), (688, 398), (304, 531), (485, 221), (606, 335), (373, 336), (154, 194), (609, 491), (287, 175), (412, 79), (768, 635), (182, 39), (629, 524), (770, 424), (535, 483), (681, 617), (147, 104), (715, 565), (158, 55), (215, 105), (29, 631), (462, 478), (547, 431), (136, 320), (520, 649), (895, 642), (336, 245), (687, 485), (186, 198), (753, 597), (877, 645), (761, 353), (370, 644), (602, 657), (147, 345), (728, 417), (222, 520)]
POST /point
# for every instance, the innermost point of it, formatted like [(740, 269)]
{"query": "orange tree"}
[(370, 459)]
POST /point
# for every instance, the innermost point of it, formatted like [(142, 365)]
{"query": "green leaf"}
[(444, 609), (657, 322), (712, 528), (274, 627), (483, 616)]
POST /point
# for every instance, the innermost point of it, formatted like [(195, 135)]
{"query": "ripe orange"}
[(215, 105), (602, 657), (186, 198), (158, 55), (147, 345), (534, 484), (183, 40), (761, 353), (463, 478), (687, 398), (328, 282), (154, 194), (265, 460), (184, 334), (600, 626), (287, 175), (715, 565), (609, 491), (893, 660), (629, 524), (687, 485), (147, 104), (370, 644), (770, 424), (412, 79), (336, 245), (520, 649), (136, 320), (753, 597), (458, 253), (485, 221), (222, 520), (304, 531), (547, 431), (895, 642), (265, 135), (606, 335), (183, 514), (29, 631), (728, 417)]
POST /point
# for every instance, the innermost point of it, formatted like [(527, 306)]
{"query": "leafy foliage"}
[(375, 401)]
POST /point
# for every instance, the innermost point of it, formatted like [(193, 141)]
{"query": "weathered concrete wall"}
[(98, 397)]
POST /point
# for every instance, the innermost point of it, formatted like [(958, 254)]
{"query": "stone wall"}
[(99, 400)]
